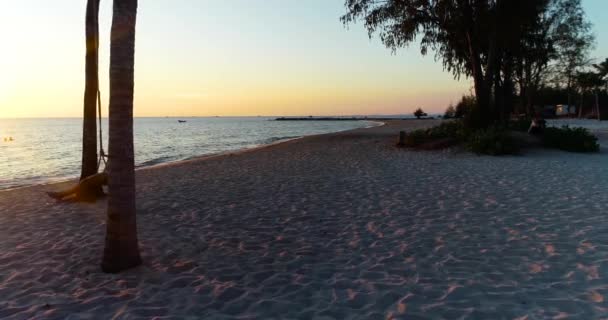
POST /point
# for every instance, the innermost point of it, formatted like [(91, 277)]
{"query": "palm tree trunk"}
[(89, 126), (121, 247)]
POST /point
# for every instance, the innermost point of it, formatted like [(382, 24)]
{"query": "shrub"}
[(416, 138), (450, 112), (448, 129), (520, 125), (465, 106), (570, 139), (492, 141)]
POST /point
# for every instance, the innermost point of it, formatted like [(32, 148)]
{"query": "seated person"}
[(88, 189), (537, 126)]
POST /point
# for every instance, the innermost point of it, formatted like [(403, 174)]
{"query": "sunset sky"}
[(227, 58)]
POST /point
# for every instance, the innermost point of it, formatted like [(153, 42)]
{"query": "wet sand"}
[(338, 226)]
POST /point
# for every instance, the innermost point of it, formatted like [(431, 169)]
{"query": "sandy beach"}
[(337, 226)]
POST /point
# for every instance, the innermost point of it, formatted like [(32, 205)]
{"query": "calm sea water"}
[(47, 150)]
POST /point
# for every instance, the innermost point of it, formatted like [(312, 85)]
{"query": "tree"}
[(450, 112), (573, 41), (602, 73), (91, 89), (121, 246), (464, 106), (419, 113), (589, 82), (475, 38), (536, 50), (602, 70)]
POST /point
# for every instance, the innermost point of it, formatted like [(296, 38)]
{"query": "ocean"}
[(37, 151)]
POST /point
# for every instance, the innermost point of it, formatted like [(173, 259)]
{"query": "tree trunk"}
[(121, 246), (478, 117), (532, 86), (89, 126), (508, 88), (499, 100), (597, 105), (580, 109)]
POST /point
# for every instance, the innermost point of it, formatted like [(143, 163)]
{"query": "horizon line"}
[(220, 116)]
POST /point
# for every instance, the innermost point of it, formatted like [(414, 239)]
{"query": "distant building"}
[(548, 112), (563, 110), (560, 111)]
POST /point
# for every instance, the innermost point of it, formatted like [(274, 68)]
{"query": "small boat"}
[(182, 121)]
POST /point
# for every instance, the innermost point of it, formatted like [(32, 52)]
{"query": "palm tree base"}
[(120, 256), (119, 266)]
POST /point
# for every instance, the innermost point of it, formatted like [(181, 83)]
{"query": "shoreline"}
[(203, 157), (251, 149)]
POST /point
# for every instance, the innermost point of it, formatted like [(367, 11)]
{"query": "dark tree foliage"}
[(473, 38), (553, 49), (536, 50), (590, 83), (464, 106), (419, 113), (450, 112), (573, 40), (602, 71)]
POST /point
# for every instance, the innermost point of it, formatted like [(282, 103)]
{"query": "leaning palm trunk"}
[(121, 247), (89, 126)]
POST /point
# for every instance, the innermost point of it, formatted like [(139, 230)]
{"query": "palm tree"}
[(89, 127), (121, 247)]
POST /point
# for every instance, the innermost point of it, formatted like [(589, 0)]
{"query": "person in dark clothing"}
[(537, 126)]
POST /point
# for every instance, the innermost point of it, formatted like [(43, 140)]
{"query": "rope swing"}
[(102, 154)]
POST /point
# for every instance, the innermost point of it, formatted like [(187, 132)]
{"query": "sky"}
[(226, 58)]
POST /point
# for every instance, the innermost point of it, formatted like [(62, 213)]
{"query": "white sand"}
[(336, 226)]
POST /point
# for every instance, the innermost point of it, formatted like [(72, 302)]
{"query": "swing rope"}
[(102, 155)]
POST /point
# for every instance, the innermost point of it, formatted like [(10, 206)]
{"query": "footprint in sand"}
[(596, 297), (401, 307), (591, 271), (536, 268), (561, 315), (585, 247), (351, 294)]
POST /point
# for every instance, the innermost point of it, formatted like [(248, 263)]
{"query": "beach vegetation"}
[(520, 125), (491, 141), (450, 112), (454, 129), (465, 106), (499, 140), (495, 141), (570, 139)]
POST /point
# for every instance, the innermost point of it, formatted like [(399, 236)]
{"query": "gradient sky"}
[(225, 57)]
